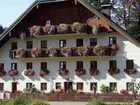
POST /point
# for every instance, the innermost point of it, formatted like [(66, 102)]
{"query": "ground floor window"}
[(29, 85), (1, 86), (58, 85), (113, 86), (43, 86), (128, 86), (93, 86), (80, 86)]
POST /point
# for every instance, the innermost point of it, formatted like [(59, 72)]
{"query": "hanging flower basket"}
[(93, 71), (80, 72), (35, 52), (130, 71), (42, 73), (20, 53), (2, 72), (29, 72), (63, 72), (66, 51), (98, 50), (51, 52), (81, 51), (112, 71), (35, 30), (62, 28), (49, 29), (13, 72), (77, 27)]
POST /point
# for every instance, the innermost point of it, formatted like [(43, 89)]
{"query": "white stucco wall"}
[(127, 51)]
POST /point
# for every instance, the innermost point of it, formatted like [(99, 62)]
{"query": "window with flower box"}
[(43, 86), (79, 65), (29, 44), (79, 42), (29, 65), (13, 66), (80, 86), (44, 44), (13, 45), (112, 40), (29, 85), (93, 41), (93, 86), (62, 65), (62, 43), (113, 86), (128, 86), (1, 86)]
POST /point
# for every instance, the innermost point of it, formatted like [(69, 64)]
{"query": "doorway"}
[(14, 87), (68, 87)]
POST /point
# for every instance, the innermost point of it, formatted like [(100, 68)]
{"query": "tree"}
[(1, 29)]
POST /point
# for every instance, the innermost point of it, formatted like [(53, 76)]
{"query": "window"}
[(43, 86), (14, 66), (62, 43), (1, 66), (13, 45), (93, 64), (93, 86), (28, 86), (79, 65), (129, 64), (79, 86), (113, 64), (128, 86), (58, 85), (29, 45), (1, 86), (79, 42), (43, 65), (112, 40), (62, 65), (93, 41), (113, 86), (44, 44), (29, 65)]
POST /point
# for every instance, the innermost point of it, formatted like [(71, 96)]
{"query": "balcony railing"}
[(64, 52)]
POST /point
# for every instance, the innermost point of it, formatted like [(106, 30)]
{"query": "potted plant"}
[(66, 51), (29, 72), (13, 72), (35, 30), (93, 71), (81, 51), (35, 52), (20, 53), (130, 71), (113, 71), (49, 29), (80, 72), (63, 72), (42, 73), (62, 28), (51, 51)]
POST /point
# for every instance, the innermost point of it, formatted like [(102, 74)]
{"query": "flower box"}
[(35, 30), (112, 71), (20, 52), (29, 72), (43, 72), (13, 72), (36, 52), (98, 50), (62, 28), (81, 51), (78, 27), (93, 72), (2, 72), (49, 29), (66, 51), (80, 72), (51, 52), (63, 72), (130, 71)]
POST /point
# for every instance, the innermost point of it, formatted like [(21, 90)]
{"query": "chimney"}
[(106, 8)]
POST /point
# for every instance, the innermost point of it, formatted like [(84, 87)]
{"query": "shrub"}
[(96, 102), (104, 89), (136, 102)]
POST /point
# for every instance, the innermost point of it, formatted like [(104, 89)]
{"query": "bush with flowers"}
[(113, 71), (2, 72), (20, 52), (80, 72), (51, 51), (13, 72), (123, 92), (62, 28), (35, 52), (81, 51), (93, 71), (66, 51), (98, 50), (29, 72), (63, 72)]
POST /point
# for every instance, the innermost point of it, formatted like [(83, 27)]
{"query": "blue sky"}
[(10, 10)]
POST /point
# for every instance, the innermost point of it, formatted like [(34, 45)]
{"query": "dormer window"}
[(112, 40)]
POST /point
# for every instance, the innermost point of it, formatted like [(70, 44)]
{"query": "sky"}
[(10, 10)]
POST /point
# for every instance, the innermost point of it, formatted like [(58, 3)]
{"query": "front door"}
[(68, 87), (14, 87)]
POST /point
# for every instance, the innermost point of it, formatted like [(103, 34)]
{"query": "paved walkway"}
[(66, 103)]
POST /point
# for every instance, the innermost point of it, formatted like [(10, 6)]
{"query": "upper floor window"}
[(29, 65), (14, 66), (62, 65), (80, 86), (93, 41), (13, 45), (112, 64), (1, 66), (79, 42), (113, 86), (29, 45), (79, 65), (62, 43), (1, 86), (128, 86), (43, 86), (43, 65), (112, 40), (129, 64), (44, 44), (93, 64)]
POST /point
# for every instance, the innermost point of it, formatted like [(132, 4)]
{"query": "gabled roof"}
[(84, 3)]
